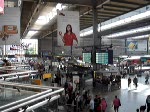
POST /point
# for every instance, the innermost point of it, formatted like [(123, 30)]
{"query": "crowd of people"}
[(83, 100), (109, 81)]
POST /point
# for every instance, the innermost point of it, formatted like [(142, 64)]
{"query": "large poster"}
[(10, 26), (68, 31), (137, 45), (1, 6)]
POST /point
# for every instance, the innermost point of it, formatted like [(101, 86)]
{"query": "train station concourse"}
[(74, 55)]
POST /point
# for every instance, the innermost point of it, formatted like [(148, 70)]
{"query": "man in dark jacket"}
[(135, 81), (148, 103)]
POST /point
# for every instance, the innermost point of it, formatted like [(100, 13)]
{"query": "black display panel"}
[(104, 57)]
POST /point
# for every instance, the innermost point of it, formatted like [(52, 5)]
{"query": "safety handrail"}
[(25, 99), (42, 103), (33, 100), (4, 83), (19, 73), (18, 77)]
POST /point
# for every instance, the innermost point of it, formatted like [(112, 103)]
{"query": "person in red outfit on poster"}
[(69, 36)]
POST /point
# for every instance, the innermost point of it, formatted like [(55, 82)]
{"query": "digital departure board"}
[(104, 57), (87, 57)]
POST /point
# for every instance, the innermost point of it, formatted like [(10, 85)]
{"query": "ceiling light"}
[(141, 37), (128, 32), (30, 34), (133, 18)]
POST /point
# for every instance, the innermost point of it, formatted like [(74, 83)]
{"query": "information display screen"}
[(102, 58), (87, 57)]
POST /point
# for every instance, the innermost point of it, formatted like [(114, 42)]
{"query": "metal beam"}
[(109, 12), (90, 17), (115, 10), (126, 2), (74, 2), (28, 0), (101, 15), (118, 6), (31, 18)]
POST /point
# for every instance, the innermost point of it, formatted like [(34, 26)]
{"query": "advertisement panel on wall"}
[(10, 26), (149, 43), (137, 45), (68, 31), (27, 46), (1, 6)]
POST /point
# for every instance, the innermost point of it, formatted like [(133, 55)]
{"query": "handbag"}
[(119, 103)]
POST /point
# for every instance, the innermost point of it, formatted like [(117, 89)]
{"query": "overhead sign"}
[(138, 45), (68, 31), (1, 6)]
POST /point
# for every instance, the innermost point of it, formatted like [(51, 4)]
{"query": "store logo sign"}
[(22, 46)]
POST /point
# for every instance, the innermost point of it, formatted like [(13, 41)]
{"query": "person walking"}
[(146, 79), (148, 103), (109, 86), (104, 105), (135, 81), (91, 105), (116, 104), (96, 103), (129, 82)]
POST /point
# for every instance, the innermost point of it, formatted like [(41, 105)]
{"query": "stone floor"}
[(131, 99)]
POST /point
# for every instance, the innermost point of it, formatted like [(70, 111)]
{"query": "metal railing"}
[(46, 94)]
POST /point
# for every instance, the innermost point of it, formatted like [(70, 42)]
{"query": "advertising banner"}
[(27, 46), (137, 45), (1, 6), (149, 45), (10, 26), (68, 31)]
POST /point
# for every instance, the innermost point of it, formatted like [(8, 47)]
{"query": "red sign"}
[(1, 6)]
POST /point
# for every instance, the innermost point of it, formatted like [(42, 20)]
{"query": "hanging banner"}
[(10, 26), (68, 31), (1, 6)]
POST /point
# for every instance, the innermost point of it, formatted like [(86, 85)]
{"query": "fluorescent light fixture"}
[(128, 32), (59, 6), (30, 34), (141, 37), (42, 20), (126, 20), (133, 18)]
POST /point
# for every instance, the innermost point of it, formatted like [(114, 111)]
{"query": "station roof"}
[(33, 12)]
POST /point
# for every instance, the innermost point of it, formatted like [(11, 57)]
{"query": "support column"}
[(95, 34), (53, 48)]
